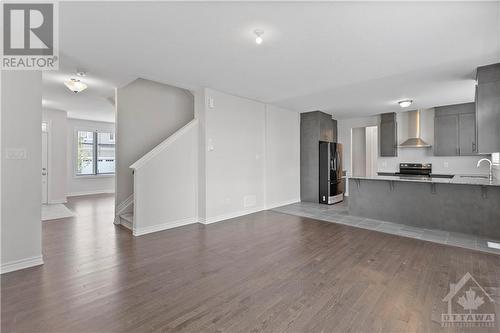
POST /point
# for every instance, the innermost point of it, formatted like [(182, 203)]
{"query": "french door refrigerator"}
[(331, 183)]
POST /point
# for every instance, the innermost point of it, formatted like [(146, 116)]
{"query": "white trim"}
[(125, 223), (92, 120), (163, 145), (228, 216), (58, 201), (282, 203), (21, 264), (76, 194), (74, 150), (164, 226), (100, 175), (122, 207)]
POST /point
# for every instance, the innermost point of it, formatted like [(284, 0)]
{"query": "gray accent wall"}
[(315, 126), (148, 112)]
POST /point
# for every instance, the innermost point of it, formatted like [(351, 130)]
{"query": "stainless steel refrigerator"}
[(331, 183)]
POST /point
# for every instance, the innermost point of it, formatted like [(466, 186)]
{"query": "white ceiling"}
[(349, 59)]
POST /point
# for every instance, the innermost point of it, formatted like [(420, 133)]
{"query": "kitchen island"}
[(464, 203)]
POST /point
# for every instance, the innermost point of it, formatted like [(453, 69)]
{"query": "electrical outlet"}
[(16, 154), (446, 165), (249, 201)]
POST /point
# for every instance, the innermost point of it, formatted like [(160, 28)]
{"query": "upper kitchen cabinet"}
[(388, 135), (488, 109), (455, 130)]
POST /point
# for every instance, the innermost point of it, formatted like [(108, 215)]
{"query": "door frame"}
[(49, 158)]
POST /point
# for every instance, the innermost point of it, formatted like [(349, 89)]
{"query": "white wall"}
[(57, 153), (358, 151), (246, 147), (344, 127), (165, 184), (235, 132), (371, 150), (282, 156), (81, 185), (147, 113), (21, 100)]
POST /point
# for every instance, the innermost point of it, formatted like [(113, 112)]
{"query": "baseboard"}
[(58, 201), (21, 264), (228, 216), (164, 226), (282, 203), (76, 194)]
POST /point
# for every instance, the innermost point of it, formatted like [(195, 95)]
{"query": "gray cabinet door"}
[(388, 139), (446, 135), (488, 117), (325, 127), (467, 133)]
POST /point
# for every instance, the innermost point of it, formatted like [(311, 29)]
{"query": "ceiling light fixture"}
[(75, 85), (405, 103), (258, 33)]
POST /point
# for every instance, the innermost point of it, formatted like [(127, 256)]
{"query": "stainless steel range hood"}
[(414, 127)]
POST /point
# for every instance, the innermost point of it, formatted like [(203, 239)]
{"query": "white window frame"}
[(75, 152)]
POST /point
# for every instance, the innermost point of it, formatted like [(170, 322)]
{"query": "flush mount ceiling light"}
[(405, 103), (75, 85), (258, 33)]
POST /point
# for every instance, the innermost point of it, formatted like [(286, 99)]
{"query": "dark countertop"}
[(457, 179)]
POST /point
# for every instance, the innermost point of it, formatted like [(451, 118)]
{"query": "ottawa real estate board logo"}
[(469, 305), (30, 39)]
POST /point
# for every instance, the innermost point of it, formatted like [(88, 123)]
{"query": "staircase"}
[(164, 185), (127, 220)]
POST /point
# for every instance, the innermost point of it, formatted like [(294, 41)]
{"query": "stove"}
[(415, 169), (421, 171)]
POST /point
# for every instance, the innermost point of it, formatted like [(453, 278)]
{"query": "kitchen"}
[(434, 174)]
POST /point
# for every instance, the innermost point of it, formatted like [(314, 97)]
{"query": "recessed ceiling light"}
[(405, 103), (258, 33), (75, 85)]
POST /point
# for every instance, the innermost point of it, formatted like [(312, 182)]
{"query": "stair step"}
[(127, 220)]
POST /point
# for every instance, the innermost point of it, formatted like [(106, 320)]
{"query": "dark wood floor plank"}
[(264, 272)]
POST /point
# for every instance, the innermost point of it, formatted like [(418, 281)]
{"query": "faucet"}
[(491, 167)]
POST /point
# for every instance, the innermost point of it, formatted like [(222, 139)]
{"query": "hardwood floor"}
[(264, 272)]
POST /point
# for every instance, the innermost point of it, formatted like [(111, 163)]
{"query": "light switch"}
[(15, 154), (210, 145), (211, 103)]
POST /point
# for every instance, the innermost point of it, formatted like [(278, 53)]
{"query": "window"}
[(95, 153)]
